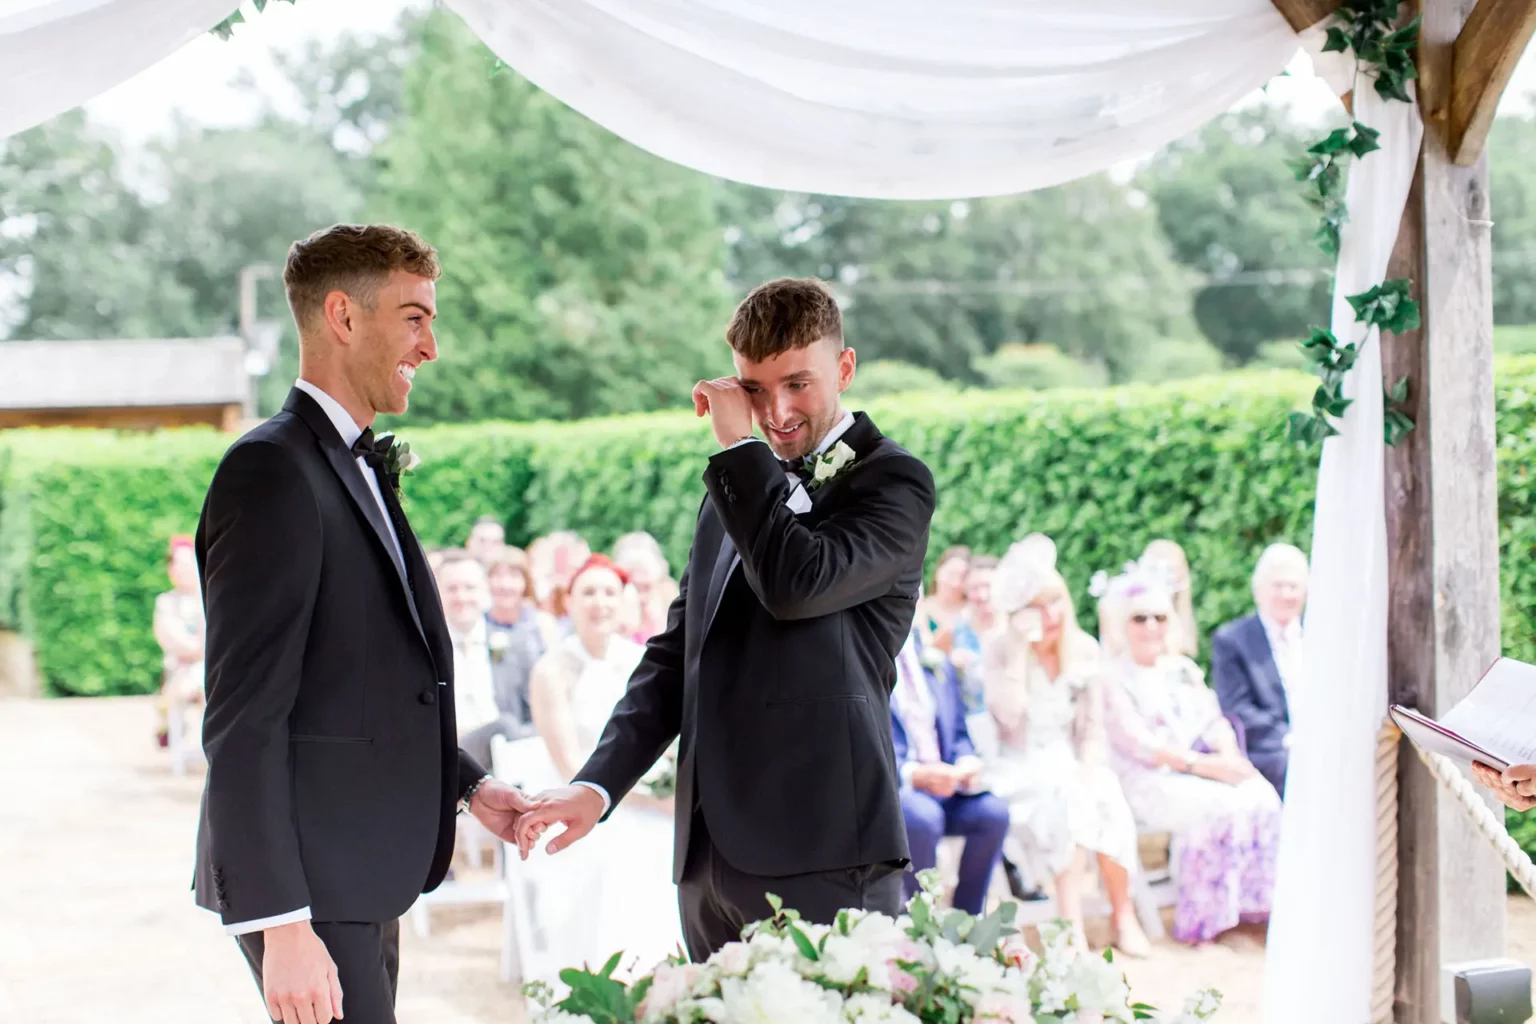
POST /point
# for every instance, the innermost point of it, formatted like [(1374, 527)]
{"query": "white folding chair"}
[(525, 952)]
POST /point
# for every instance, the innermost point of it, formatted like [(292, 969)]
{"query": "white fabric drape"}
[(894, 99), (1318, 961), (56, 54)]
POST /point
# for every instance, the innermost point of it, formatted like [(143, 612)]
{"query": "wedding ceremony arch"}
[(907, 99)]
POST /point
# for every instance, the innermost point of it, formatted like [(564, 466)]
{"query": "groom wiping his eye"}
[(778, 660)]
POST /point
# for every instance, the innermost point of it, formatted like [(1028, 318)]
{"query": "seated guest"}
[(1256, 661), (513, 610), (486, 538), (651, 589), (553, 560), (1180, 766), (179, 627), (977, 621), (490, 680), (941, 608), (941, 794), (1166, 558), (1043, 693)]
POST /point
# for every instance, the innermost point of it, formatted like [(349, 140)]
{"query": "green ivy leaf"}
[(1395, 426), (1399, 392), (1365, 140), (1338, 40)]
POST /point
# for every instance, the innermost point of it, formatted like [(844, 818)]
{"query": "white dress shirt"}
[(474, 691), (350, 432), (796, 496), (1285, 647)]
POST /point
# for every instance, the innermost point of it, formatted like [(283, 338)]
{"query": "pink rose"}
[(670, 985), (1000, 1008), (1017, 952)]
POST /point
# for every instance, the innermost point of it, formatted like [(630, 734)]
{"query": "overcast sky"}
[(196, 79)]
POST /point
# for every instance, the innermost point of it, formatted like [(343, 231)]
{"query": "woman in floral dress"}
[(1179, 762), (1051, 765)]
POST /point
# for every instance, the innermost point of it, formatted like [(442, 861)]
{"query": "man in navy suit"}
[(941, 793), (1256, 661)]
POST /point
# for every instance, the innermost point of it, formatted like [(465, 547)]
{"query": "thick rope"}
[(1488, 821), (1384, 948)]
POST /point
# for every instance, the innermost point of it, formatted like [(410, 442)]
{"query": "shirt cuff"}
[(246, 927), (745, 440), (907, 771), (599, 790)]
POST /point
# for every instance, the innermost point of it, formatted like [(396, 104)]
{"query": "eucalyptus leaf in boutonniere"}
[(826, 465), (398, 461)]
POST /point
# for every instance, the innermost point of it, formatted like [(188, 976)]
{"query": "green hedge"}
[(84, 515)]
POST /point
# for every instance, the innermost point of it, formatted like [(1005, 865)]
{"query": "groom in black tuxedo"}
[(778, 659), (333, 771)]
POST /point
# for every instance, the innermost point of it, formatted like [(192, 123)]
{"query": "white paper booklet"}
[(1494, 724)]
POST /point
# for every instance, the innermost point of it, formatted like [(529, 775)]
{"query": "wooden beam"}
[(1489, 46), (1442, 537), (1303, 14)]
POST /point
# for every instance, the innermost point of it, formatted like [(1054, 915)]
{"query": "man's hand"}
[(1516, 788), (937, 779), (575, 807), (728, 406), (969, 768), (298, 976), (497, 806)]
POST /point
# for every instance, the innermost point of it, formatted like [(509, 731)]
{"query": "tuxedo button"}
[(428, 697)]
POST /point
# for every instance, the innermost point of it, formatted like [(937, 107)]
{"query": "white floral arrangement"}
[(661, 781), (926, 967)]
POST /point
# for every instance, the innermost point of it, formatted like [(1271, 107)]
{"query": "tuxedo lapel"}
[(344, 464), (725, 562)]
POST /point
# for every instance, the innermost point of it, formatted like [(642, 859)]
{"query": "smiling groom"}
[(778, 660), (333, 770)]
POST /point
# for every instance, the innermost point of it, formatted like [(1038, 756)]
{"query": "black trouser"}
[(367, 962), (717, 901)]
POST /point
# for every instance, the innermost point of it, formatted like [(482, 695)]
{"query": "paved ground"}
[(97, 924)]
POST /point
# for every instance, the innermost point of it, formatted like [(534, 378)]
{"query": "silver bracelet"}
[(469, 794)]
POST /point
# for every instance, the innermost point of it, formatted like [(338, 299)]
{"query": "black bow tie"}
[(794, 467), (370, 449)]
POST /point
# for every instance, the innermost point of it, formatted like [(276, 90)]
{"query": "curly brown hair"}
[(784, 314), (351, 258)]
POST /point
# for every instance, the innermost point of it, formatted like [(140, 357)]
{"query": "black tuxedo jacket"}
[(333, 770), (777, 671)]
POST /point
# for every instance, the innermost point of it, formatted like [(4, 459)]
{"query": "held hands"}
[(576, 807), (1515, 788), (498, 807), (298, 976), (728, 406)]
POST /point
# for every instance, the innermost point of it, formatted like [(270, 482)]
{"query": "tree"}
[(1231, 209), (943, 284), (1512, 197), (80, 247), (581, 275)]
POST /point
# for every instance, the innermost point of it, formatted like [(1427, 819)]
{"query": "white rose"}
[(410, 462), (1099, 986), (840, 455), (670, 985), (868, 1008), (774, 994), (733, 959), (555, 1015)]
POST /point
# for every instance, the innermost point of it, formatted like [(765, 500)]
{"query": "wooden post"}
[(1442, 535)]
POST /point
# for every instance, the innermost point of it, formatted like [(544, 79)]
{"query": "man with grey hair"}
[(1256, 661)]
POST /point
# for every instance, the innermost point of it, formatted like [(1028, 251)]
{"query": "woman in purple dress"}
[(1180, 765)]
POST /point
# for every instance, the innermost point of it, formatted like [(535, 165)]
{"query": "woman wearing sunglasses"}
[(1180, 765)]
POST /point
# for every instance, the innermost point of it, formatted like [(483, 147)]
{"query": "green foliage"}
[(581, 275), (1230, 210), (1038, 367), (880, 377), (1082, 266), (226, 28)]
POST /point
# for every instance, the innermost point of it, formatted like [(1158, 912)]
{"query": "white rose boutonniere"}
[(934, 659), (399, 460), (825, 466), (498, 643)]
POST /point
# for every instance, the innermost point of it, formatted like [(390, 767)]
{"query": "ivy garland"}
[(226, 28), (1386, 55)]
